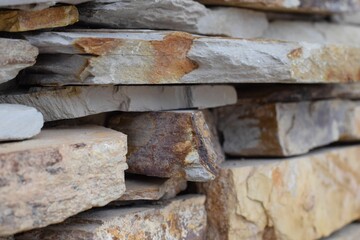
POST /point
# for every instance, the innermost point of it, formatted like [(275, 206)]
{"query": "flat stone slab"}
[(171, 144), (350, 232), (156, 57), (182, 15), (15, 121), (307, 197), (301, 6), (58, 174), (140, 187), (20, 20), (287, 129), (15, 56), (180, 218), (76, 101)]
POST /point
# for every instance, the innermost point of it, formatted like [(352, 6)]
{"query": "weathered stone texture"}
[(75, 101), (15, 119), (59, 173), (307, 197), (35, 4), (154, 57), (19, 21), (152, 188), (171, 144), (286, 129), (180, 218), (182, 15), (350, 232), (15, 55)]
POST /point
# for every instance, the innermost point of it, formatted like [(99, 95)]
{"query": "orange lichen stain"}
[(171, 61), (296, 53), (98, 46), (277, 177)]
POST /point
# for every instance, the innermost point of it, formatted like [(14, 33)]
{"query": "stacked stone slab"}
[(179, 119)]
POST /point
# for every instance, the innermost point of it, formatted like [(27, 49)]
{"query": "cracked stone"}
[(168, 144), (307, 197), (59, 173), (76, 101), (180, 218), (286, 129)]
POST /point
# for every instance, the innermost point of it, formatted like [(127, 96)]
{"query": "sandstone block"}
[(19, 20), (286, 129), (307, 197), (15, 56), (15, 121), (76, 101), (153, 57), (180, 218), (170, 144), (59, 173), (182, 15)]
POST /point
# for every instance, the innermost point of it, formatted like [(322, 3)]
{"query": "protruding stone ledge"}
[(59, 173), (180, 218), (171, 144), (307, 197), (76, 101)]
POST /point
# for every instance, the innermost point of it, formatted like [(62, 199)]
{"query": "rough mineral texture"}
[(180, 218), (155, 57), (74, 102), (304, 6), (19, 21), (15, 55), (182, 15), (15, 119), (152, 188), (350, 232), (285, 129), (307, 197), (171, 144), (313, 32), (59, 173)]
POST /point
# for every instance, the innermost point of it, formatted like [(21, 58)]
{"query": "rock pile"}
[(180, 119)]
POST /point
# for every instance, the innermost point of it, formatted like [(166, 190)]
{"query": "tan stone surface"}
[(180, 218), (171, 144), (286, 129), (15, 56), (59, 173), (97, 57), (19, 21), (140, 187), (307, 197), (303, 6)]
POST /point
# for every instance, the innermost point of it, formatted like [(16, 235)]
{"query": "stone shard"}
[(302, 6), (180, 218), (182, 15), (19, 21), (59, 173), (350, 232), (171, 144), (35, 4), (155, 57), (307, 197), (313, 32), (15, 121), (152, 188), (15, 56), (286, 129), (76, 101)]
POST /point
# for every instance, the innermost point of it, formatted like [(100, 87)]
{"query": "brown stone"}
[(20, 21), (286, 129), (302, 6), (140, 187), (170, 144), (180, 218), (307, 197), (59, 173)]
